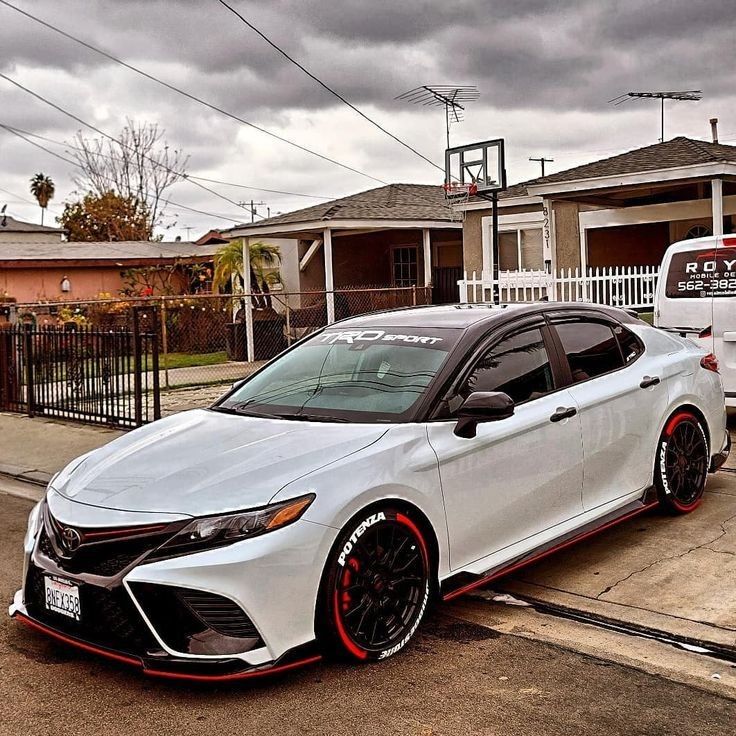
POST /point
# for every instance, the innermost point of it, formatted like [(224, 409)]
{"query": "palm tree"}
[(43, 189), (229, 264)]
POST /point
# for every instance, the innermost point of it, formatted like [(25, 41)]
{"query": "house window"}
[(405, 265), (698, 231), (520, 249)]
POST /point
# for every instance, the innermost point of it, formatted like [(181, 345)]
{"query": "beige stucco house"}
[(620, 211)]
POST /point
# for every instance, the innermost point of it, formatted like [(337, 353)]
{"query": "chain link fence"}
[(207, 339)]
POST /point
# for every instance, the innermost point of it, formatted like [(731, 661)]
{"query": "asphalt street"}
[(457, 678)]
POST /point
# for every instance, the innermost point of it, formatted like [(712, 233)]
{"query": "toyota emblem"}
[(70, 539)]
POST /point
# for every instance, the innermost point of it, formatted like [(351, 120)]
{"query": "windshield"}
[(347, 375)]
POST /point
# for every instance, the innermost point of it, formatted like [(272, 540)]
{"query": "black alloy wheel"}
[(682, 463), (377, 585)]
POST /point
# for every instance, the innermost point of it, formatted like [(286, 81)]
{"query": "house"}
[(620, 211), (17, 231), (398, 235), (64, 271)]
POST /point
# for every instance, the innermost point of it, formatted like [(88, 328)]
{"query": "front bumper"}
[(273, 579), (164, 666)]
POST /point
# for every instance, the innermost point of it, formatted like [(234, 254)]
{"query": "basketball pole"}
[(494, 246)]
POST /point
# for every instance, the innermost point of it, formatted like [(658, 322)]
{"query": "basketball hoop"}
[(457, 191)]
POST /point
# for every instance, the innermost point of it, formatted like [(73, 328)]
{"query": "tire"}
[(376, 586), (682, 463)]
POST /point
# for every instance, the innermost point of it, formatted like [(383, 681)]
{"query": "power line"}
[(190, 96), (112, 138), (325, 86), (188, 176), (76, 165)]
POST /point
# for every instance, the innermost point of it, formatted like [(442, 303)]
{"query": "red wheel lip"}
[(345, 638), (669, 429)]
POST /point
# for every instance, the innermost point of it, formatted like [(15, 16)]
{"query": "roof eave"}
[(654, 176), (290, 229)]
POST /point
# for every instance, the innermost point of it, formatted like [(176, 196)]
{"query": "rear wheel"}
[(377, 586), (682, 463)]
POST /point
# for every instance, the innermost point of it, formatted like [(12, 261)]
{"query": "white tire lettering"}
[(359, 531)]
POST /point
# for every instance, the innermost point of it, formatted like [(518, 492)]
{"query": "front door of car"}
[(621, 395), (520, 475)]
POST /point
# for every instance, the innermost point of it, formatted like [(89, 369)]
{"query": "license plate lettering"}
[(62, 597)]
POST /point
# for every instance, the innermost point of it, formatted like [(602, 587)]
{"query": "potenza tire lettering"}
[(370, 521)]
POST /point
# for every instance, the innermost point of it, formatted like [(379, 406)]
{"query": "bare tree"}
[(138, 164)]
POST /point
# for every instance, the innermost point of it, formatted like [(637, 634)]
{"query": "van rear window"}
[(702, 273)]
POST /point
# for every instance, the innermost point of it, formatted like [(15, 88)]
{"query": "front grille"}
[(221, 614), (109, 617)]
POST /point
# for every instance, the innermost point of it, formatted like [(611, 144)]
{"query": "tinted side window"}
[(518, 366), (631, 348), (591, 349)]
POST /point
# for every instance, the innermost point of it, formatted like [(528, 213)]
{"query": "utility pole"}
[(542, 160), (252, 208)]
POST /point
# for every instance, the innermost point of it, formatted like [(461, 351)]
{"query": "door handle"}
[(648, 381), (563, 413)]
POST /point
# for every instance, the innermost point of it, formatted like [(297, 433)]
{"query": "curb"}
[(34, 477)]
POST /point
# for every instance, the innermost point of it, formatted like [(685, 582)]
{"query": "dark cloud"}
[(545, 69)]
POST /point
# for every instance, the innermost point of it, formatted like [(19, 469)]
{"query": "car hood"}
[(204, 462)]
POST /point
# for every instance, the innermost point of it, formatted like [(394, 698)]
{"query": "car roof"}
[(708, 241), (467, 315)]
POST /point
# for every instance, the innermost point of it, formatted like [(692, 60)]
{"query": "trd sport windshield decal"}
[(353, 337), (702, 273)]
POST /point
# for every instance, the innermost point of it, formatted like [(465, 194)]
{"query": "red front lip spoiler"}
[(260, 671)]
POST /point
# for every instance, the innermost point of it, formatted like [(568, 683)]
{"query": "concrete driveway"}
[(675, 576)]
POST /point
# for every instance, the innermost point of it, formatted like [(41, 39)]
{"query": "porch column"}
[(716, 203), (329, 281), (247, 286), (427, 243)]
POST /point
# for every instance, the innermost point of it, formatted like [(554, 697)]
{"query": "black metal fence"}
[(81, 372), (205, 339)]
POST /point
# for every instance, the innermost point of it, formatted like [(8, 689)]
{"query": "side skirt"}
[(464, 582)]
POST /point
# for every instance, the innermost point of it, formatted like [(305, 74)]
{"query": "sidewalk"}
[(32, 450)]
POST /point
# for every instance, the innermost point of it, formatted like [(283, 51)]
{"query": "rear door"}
[(698, 291), (621, 396), (517, 476)]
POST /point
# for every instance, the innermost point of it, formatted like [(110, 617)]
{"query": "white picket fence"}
[(617, 286)]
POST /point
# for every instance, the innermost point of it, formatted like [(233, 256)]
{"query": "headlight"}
[(217, 531)]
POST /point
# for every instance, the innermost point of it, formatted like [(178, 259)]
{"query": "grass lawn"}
[(188, 360), (647, 316)]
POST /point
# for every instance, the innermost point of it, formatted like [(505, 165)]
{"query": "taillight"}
[(709, 362)]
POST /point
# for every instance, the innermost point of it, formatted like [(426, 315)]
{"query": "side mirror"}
[(482, 406)]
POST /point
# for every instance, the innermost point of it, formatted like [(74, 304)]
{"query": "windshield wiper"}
[(265, 415)]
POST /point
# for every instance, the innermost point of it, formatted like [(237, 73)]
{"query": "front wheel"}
[(376, 587), (682, 463)]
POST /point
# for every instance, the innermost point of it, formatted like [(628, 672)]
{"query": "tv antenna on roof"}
[(689, 95), (452, 98)]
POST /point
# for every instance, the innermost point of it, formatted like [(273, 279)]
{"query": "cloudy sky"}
[(545, 70)]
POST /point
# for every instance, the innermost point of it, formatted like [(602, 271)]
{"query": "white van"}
[(696, 295)]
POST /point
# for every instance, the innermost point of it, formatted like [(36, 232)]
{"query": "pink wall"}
[(41, 284), (44, 284)]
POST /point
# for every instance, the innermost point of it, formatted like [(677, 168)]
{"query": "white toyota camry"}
[(382, 462)]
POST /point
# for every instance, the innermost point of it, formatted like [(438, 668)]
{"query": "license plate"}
[(62, 597)]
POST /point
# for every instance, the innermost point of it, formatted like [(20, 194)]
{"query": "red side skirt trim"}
[(568, 543)]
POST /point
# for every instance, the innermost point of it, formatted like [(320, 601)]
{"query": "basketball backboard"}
[(478, 168)]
